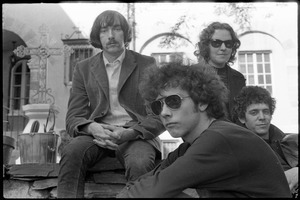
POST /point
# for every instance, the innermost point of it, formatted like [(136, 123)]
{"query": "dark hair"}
[(205, 37), (108, 18), (251, 95), (202, 85)]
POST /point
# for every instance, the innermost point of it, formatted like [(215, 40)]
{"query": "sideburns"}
[(196, 109)]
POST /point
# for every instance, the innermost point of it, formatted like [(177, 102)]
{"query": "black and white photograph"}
[(162, 99)]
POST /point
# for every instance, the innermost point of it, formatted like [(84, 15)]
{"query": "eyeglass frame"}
[(228, 43), (162, 102)]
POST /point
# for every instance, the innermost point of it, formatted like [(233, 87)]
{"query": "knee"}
[(69, 152), (139, 153), (76, 148), (138, 165), (140, 160)]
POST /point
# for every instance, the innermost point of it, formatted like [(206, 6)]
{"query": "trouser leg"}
[(138, 157), (80, 154)]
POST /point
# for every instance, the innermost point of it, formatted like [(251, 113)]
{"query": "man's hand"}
[(107, 144), (125, 134), (103, 137), (110, 136)]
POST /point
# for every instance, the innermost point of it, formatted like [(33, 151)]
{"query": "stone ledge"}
[(22, 189), (104, 180)]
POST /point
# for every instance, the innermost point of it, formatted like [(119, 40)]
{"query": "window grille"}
[(169, 145), (256, 67), (80, 52), (162, 58)]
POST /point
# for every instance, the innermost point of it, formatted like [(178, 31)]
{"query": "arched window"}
[(19, 87)]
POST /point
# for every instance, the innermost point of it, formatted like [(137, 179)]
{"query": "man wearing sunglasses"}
[(218, 158), (217, 48)]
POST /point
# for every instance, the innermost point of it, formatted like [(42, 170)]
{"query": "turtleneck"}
[(222, 72)]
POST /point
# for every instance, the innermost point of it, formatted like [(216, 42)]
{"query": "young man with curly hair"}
[(217, 158), (253, 109)]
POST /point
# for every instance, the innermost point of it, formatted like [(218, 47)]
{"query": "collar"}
[(275, 133), (119, 59)]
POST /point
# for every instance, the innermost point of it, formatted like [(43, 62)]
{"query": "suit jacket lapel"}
[(100, 74), (128, 65)]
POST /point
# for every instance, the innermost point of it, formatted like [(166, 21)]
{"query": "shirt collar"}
[(119, 59)]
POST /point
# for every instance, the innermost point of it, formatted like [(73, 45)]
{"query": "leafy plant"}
[(241, 12)]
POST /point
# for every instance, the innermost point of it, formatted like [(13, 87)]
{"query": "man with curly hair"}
[(253, 109), (217, 158)]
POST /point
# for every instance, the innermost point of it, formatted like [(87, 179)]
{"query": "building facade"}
[(267, 57)]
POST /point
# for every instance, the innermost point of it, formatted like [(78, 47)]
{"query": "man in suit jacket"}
[(106, 114)]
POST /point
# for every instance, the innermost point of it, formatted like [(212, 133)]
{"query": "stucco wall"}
[(25, 20)]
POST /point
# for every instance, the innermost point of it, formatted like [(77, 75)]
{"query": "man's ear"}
[(202, 107), (242, 120)]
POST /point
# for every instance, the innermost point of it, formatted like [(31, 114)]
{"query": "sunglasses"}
[(172, 101), (217, 43)]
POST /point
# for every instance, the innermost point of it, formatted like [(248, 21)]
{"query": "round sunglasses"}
[(173, 102), (217, 43)]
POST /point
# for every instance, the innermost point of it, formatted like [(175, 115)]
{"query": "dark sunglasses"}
[(217, 43), (172, 101)]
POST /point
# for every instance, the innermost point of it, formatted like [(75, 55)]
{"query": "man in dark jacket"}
[(218, 158), (253, 109), (106, 114)]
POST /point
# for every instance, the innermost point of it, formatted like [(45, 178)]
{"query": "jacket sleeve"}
[(190, 170), (180, 151), (289, 145), (78, 105), (149, 126)]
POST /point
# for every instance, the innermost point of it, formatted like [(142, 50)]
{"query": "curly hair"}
[(202, 85), (251, 95), (108, 18), (205, 37)]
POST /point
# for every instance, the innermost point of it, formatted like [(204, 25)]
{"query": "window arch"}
[(19, 86)]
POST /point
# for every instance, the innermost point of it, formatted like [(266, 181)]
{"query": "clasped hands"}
[(109, 136)]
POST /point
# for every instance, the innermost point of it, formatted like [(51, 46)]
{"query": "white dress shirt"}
[(116, 114)]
